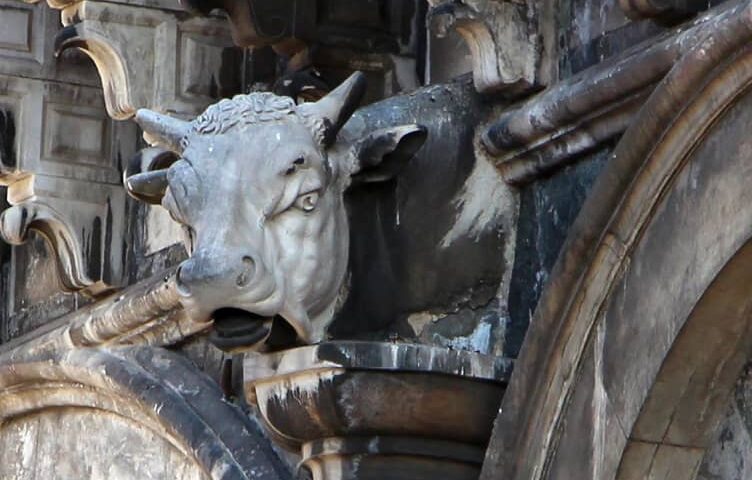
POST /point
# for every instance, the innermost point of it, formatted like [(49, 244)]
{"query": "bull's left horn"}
[(337, 107), (148, 187), (163, 129), (145, 175)]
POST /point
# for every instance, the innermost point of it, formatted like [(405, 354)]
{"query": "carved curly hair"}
[(253, 108)]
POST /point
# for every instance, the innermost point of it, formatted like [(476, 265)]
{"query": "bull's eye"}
[(307, 202)]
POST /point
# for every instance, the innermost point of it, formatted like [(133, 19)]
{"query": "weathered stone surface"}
[(665, 283), (153, 58), (378, 410), (502, 38), (48, 445), (154, 413), (403, 261), (729, 458)]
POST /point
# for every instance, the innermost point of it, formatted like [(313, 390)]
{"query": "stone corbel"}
[(15, 223), (149, 57), (60, 159), (501, 36)]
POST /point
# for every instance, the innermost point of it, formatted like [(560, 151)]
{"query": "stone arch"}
[(118, 396), (644, 325)]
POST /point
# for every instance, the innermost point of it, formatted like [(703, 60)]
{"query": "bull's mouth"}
[(236, 329)]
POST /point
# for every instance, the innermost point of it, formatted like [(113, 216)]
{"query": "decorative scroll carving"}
[(60, 159), (501, 37), (15, 224), (266, 225), (152, 58)]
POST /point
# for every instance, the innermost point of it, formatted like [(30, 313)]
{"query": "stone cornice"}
[(580, 113)]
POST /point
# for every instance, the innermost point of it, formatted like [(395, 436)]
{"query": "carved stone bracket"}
[(502, 38), (370, 409), (149, 57), (16, 222), (60, 158)]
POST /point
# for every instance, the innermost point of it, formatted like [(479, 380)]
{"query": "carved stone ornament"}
[(580, 113), (502, 38), (60, 154), (257, 183), (155, 57)]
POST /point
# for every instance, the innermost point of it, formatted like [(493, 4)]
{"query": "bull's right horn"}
[(161, 129), (338, 105)]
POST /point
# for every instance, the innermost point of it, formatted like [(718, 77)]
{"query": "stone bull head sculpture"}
[(257, 182)]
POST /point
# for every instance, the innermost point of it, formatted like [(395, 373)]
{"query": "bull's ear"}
[(381, 155), (145, 178)]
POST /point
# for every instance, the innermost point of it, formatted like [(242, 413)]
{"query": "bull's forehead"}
[(265, 149), (270, 162)]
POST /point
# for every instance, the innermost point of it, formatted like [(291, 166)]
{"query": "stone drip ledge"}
[(575, 116), (147, 313)]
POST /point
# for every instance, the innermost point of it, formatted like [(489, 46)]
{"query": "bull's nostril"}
[(246, 273)]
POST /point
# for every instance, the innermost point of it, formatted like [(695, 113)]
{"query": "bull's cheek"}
[(314, 263)]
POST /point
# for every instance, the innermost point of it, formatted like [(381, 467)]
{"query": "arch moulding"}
[(645, 324)]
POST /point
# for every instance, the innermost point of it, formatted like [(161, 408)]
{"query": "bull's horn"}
[(148, 187), (162, 129), (337, 107), (145, 175)]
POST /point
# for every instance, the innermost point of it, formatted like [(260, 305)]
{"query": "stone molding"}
[(639, 9), (651, 189), (155, 390), (155, 58), (367, 409), (61, 162), (146, 313), (575, 116), (501, 36)]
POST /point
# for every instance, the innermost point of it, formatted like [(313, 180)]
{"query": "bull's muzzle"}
[(234, 290)]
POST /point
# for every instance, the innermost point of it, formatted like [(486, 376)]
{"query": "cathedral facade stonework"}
[(383, 239)]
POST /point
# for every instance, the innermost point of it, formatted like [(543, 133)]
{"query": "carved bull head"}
[(257, 182)]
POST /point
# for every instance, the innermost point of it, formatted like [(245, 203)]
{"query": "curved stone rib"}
[(154, 390), (110, 63), (15, 223)]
